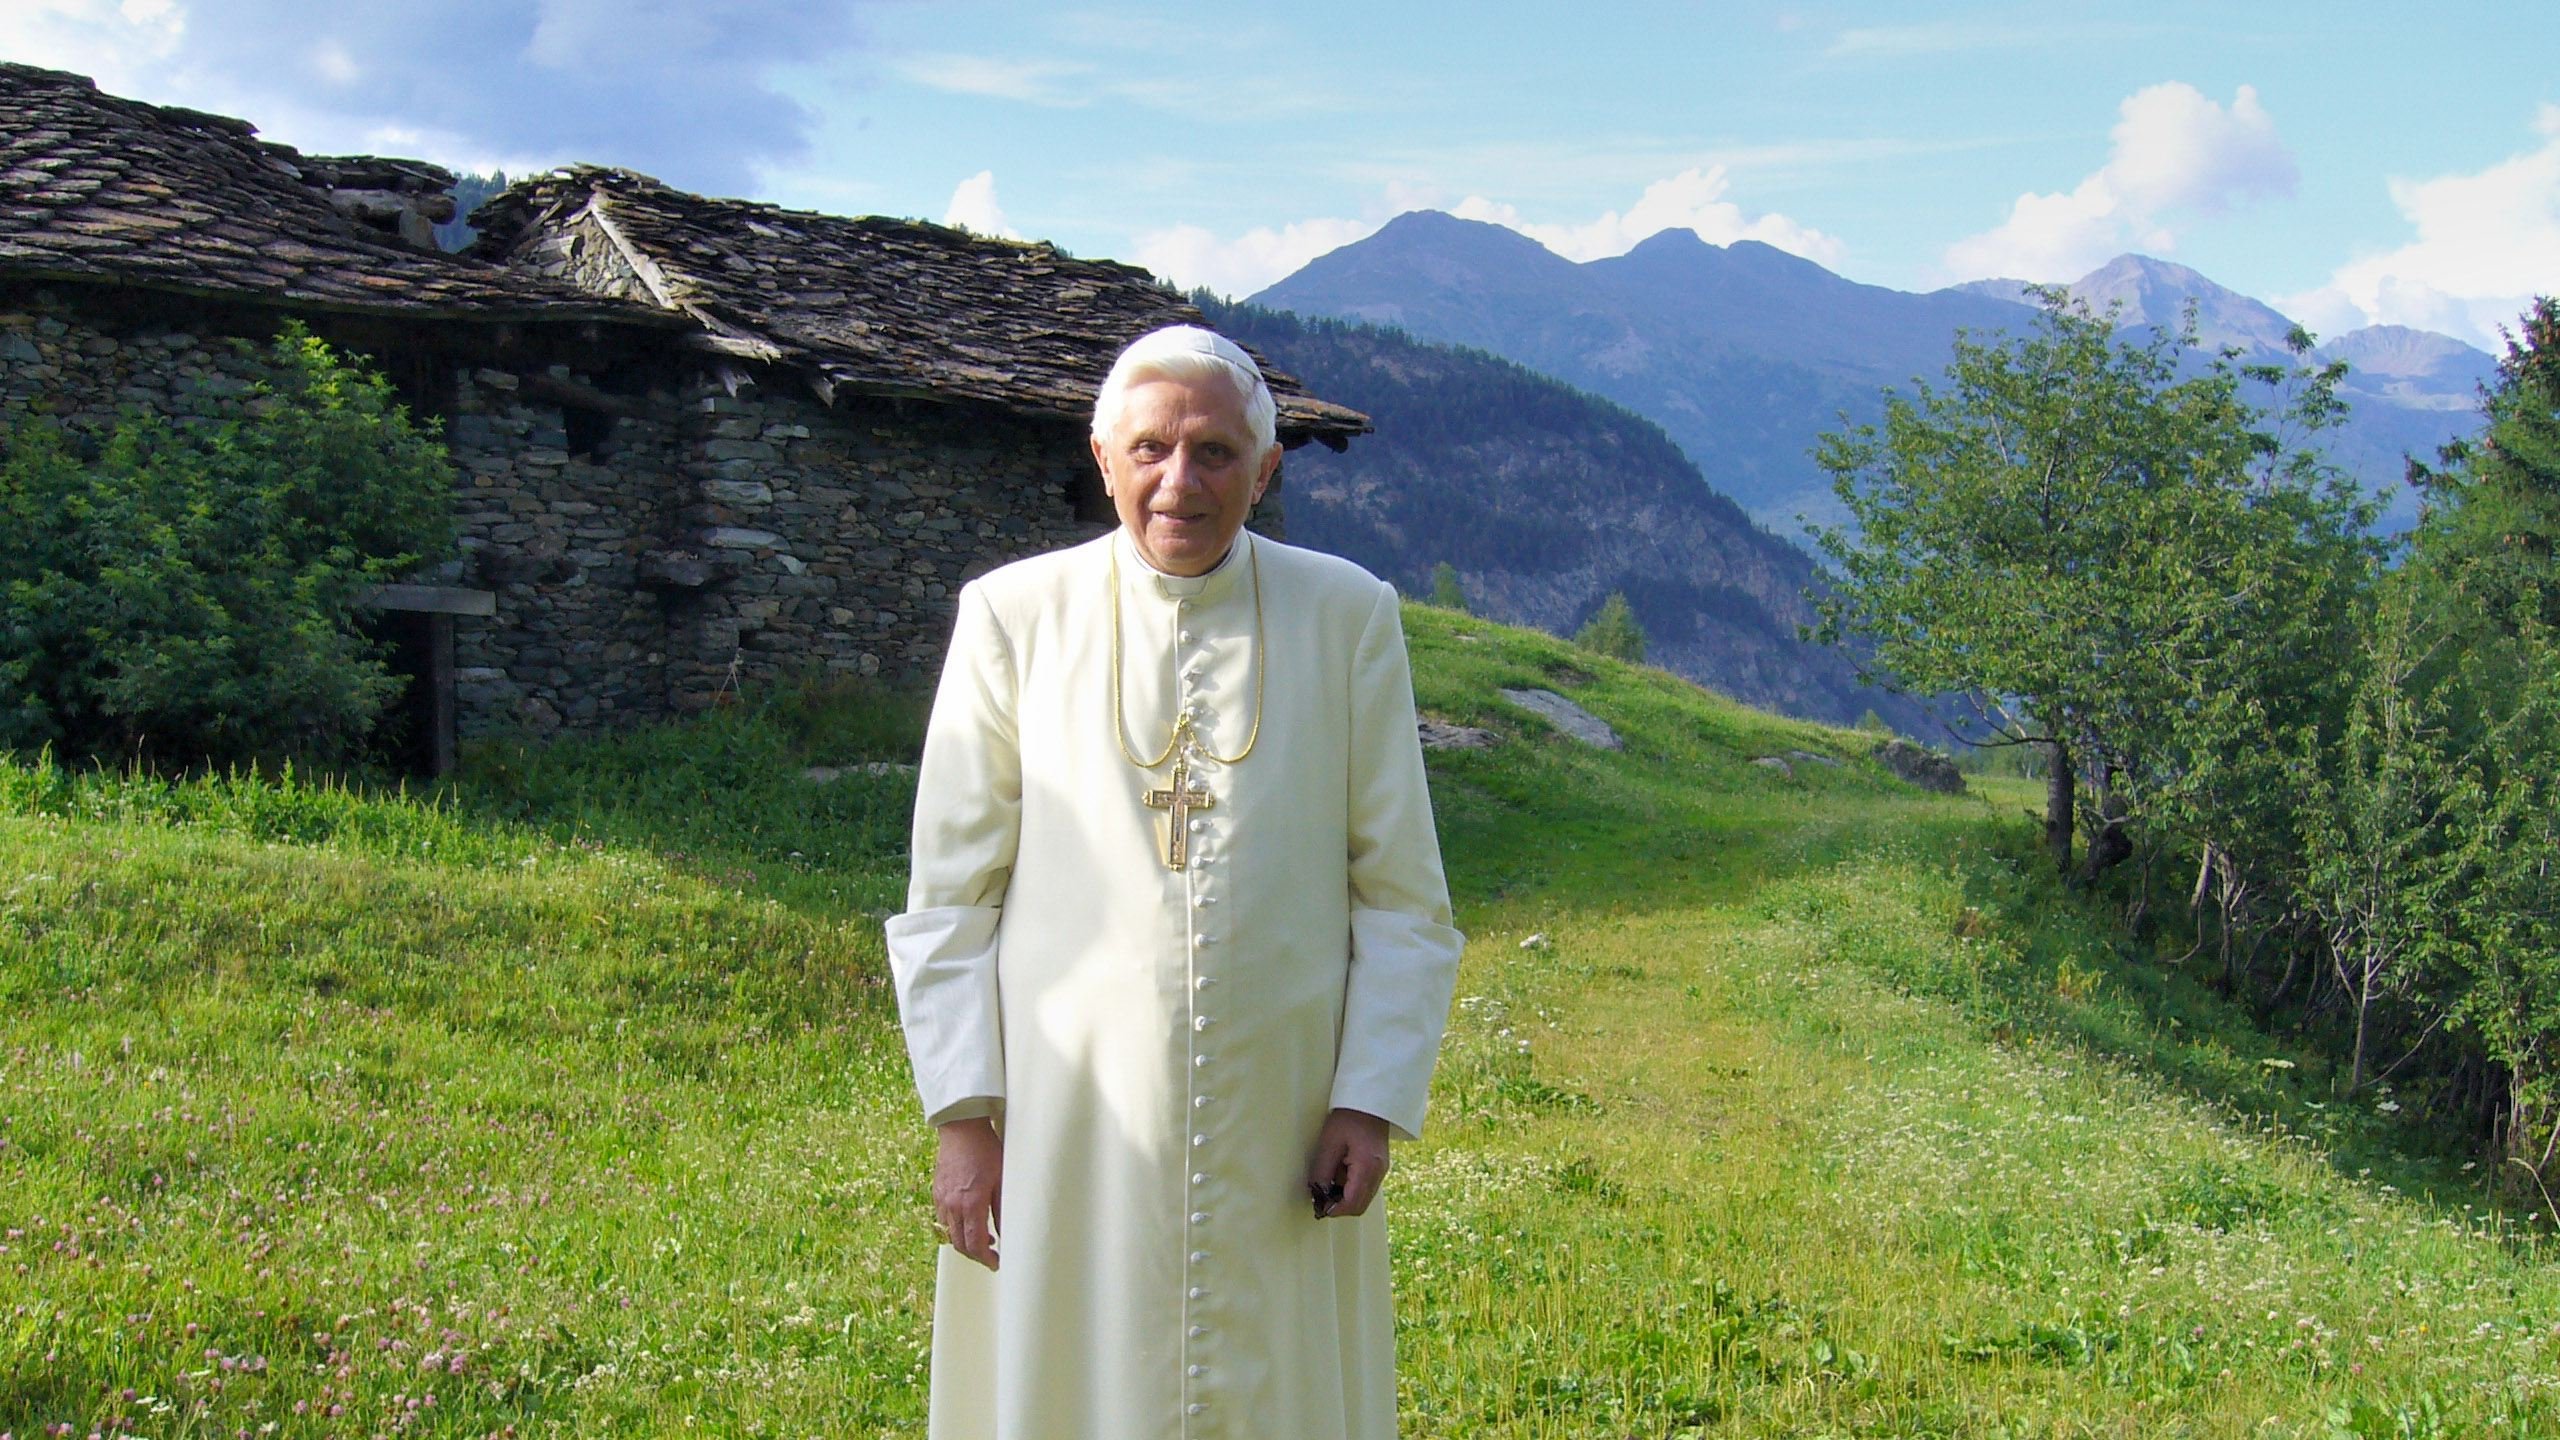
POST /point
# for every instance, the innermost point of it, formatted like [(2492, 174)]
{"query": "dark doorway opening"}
[(414, 625), (414, 734)]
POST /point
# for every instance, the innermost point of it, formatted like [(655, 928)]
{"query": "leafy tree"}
[(193, 594), (2491, 534), (2507, 916), (2377, 813), (2090, 536), (2485, 570), (1445, 590), (1614, 630)]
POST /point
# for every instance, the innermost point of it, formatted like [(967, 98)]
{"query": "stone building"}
[(701, 444)]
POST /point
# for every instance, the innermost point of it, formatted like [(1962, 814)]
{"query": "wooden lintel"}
[(546, 386), (434, 600)]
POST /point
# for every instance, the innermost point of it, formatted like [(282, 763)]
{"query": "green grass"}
[(570, 1098)]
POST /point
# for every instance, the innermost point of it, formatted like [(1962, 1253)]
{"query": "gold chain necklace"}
[(1182, 725)]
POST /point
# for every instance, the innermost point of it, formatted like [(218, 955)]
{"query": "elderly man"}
[(1176, 956)]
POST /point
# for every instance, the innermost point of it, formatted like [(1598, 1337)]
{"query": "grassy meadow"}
[(569, 1100)]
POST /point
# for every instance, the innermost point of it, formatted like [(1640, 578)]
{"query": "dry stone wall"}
[(558, 537), (746, 540), (53, 364), (651, 563)]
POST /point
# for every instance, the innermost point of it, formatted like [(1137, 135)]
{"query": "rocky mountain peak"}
[(2157, 293)]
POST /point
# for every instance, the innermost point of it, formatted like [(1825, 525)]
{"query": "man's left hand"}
[(1349, 1164)]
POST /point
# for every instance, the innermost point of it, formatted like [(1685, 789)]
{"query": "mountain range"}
[(1745, 353), (1545, 499)]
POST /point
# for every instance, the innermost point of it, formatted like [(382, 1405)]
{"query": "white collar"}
[(1209, 585)]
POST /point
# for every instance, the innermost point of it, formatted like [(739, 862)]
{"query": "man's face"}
[(1181, 470)]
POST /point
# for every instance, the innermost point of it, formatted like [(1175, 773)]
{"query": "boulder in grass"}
[(1567, 717), (1439, 735), (1925, 768)]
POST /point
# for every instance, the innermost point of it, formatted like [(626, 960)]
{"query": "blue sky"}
[(2349, 162)]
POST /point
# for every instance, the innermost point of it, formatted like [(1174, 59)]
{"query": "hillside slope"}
[(1773, 1104), (1545, 500)]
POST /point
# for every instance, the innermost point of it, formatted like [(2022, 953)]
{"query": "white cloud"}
[(1033, 82), (682, 90), (1691, 200), (335, 65), (1193, 257), (1952, 37), (973, 207), (1069, 83), (1929, 38), (2175, 155), (2486, 244), (110, 43), (2176, 149)]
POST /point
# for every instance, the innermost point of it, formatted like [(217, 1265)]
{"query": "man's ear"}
[(1270, 467), (1104, 465)]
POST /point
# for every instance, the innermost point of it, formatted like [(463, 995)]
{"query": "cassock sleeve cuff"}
[(944, 963), (1403, 970), (976, 1107)]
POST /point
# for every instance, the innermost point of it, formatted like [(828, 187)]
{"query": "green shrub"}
[(1614, 631), (192, 594), (1446, 592)]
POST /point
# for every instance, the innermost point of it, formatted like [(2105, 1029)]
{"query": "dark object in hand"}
[(1324, 1196)]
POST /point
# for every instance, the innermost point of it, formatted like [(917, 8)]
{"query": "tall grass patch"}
[(570, 1097)]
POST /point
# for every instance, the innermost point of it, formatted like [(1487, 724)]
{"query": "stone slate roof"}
[(879, 306), (103, 190), (98, 189)]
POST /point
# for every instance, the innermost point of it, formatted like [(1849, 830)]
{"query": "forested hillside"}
[(469, 194), (1545, 501)]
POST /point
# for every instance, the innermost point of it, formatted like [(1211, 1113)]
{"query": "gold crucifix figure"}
[(1179, 798)]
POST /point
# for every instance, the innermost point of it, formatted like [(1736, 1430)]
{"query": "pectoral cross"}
[(1179, 798)]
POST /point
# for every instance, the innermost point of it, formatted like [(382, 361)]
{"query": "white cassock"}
[(1165, 1044)]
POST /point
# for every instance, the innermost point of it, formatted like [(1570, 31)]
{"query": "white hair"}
[(1186, 353)]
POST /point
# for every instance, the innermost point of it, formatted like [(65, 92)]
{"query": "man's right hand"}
[(968, 1187)]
